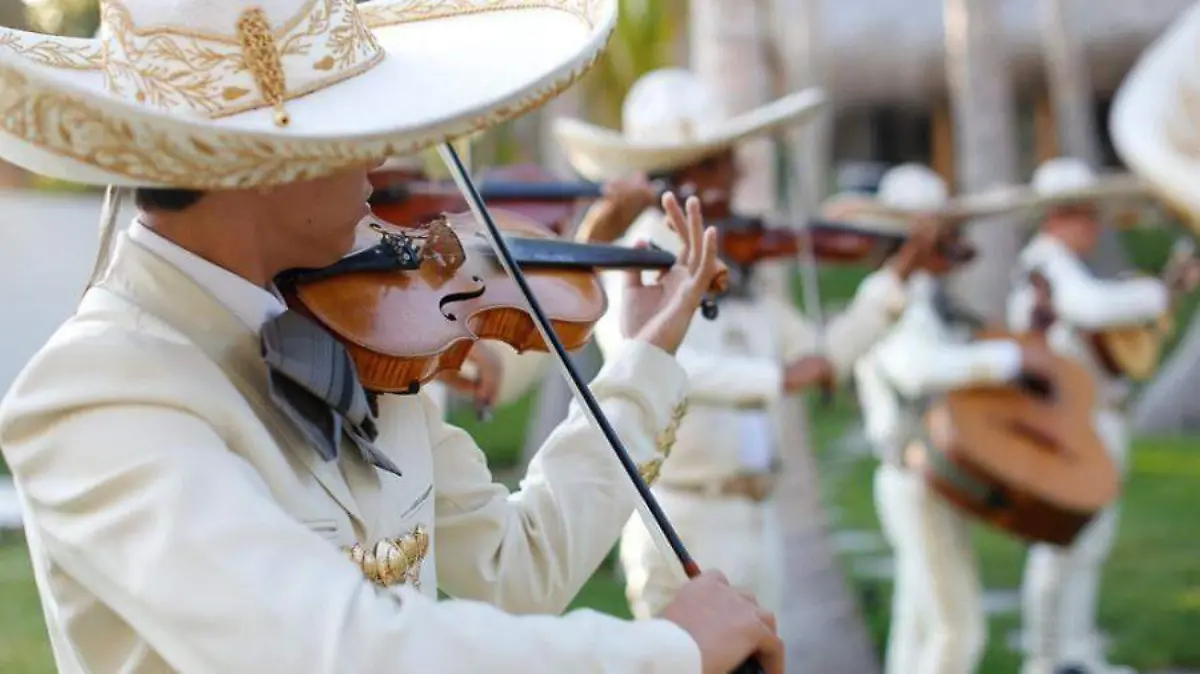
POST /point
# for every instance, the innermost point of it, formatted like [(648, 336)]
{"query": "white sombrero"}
[(1155, 120), (230, 93), (1057, 182), (903, 190), (669, 119)]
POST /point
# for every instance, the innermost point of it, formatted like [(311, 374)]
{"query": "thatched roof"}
[(893, 50)]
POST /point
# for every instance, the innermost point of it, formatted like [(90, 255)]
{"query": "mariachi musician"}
[(938, 624), (206, 485), (719, 481), (1062, 582)]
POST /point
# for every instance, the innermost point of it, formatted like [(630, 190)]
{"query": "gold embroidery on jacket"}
[(393, 561)]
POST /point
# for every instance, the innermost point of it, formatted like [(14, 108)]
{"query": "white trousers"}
[(738, 537), (1062, 584), (938, 624)]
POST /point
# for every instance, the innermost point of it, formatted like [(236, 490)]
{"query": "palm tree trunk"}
[(1070, 86), (983, 107), (820, 624)]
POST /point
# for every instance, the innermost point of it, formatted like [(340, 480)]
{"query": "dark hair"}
[(174, 200)]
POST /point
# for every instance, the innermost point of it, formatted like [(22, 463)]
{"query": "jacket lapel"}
[(143, 278)]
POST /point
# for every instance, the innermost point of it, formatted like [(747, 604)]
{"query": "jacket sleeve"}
[(1090, 303), (140, 501), (880, 408), (877, 303), (918, 361), (530, 551)]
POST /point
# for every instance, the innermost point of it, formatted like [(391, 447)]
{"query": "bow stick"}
[(579, 390)]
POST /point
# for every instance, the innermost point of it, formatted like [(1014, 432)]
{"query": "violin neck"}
[(503, 190), (539, 253)]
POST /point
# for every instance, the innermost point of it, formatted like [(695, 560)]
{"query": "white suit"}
[(1061, 584), (178, 521), (938, 624), (735, 370)]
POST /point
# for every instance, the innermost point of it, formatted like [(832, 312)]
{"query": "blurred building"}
[(886, 69)]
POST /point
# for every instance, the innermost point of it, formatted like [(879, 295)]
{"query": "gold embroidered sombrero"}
[(236, 93), (1155, 119), (671, 118)]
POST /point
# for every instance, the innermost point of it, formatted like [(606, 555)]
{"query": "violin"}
[(457, 299), (407, 195), (744, 242), (379, 301)]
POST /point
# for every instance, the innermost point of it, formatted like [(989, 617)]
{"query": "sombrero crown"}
[(672, 118), (237, 93)]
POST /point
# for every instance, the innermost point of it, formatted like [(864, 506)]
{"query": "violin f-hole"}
[(461, 297)]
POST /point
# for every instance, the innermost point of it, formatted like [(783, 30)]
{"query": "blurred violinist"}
[(207, 486), (719, 481)]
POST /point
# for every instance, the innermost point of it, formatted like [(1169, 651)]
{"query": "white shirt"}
[(922, 356), (252, 304), (1083, 303)]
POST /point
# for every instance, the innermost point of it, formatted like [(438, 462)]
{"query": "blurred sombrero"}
[(670, 119)]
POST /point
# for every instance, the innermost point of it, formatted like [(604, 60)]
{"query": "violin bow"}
[(773, 57), (579, 389)]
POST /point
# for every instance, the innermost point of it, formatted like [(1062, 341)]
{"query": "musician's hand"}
[(919, 250), (631, 195), (661, 313), (489, 371), (726, 625), (806, 372), (610, 217), (1036, 361)]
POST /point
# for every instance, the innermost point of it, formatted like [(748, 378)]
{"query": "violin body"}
[(414, 305), (1023, 457)]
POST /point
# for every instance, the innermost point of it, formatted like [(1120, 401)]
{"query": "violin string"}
[(582, 394)]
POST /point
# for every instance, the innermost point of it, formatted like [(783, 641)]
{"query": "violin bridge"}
[(442, 246)]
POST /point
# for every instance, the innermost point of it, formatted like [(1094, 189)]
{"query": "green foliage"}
[(646, 33)]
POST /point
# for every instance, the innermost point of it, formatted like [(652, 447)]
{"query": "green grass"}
[(1151, 595)]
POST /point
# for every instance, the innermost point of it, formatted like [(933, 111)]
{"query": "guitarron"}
[(1023, 457)]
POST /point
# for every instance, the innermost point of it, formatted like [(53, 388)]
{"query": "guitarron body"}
[(1023, 458)]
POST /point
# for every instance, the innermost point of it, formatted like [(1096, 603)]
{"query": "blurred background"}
[(982, 90)]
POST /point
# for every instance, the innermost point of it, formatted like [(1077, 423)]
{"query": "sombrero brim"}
[(1020, 199), (598, 153), (443, 76), (1155, 119)]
